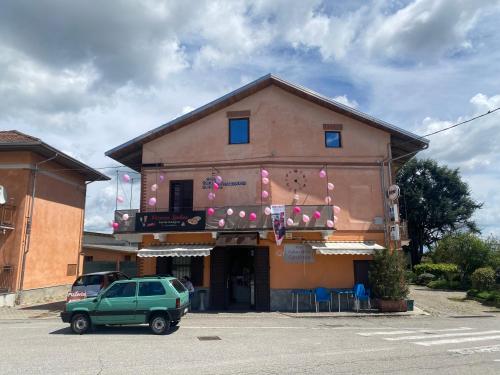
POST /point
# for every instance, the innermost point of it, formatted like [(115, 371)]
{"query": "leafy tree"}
[(435, 201), (466, 250)]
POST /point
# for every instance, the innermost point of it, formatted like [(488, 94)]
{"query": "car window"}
[(151, 288), (93, 279), (121, 290), (178, 286), (121, 276), (79, 282)]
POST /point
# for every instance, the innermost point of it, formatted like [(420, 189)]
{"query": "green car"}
[(158, 301)]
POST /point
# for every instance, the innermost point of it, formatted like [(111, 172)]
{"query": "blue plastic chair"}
[(360, 294), (322, 295)]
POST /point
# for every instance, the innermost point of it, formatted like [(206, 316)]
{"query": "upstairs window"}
[(333, 139), (239, 131)]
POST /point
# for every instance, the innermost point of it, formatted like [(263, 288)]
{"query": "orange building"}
[(42, 214), (267, 189)]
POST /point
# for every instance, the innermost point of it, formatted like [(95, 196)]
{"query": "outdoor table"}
[(339, 291), (302, 292)]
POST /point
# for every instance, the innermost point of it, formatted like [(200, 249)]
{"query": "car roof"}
[(100, 273), (154, 277)]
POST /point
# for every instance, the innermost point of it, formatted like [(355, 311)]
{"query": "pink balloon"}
[(329, 223), (218, 179), (152, 201), (317, 214), (162, 178), (252, 216), (125, 217), (322, 173), (305, 218), (264, 194), (297, 210), (267, 211), (210, 211), (110, 223), (116, 225), (242, 214), (222, 222), (289, 222), (154, 187), (264, 173), (216, 186), (328, 200), (126, 178), (119, 199), (336, 209), (229, 211), (296, 197), (265, 180), (211, 196), (335, 219), (330, 186)]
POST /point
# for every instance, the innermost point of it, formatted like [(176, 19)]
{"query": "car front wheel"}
[(80, 323), (174, 323), (159, 325)]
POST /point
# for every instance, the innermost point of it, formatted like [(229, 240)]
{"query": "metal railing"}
[(7, 212), (6, 279)]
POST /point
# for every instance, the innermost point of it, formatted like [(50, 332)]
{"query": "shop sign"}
[(184, 221), (208, 182), (76, 296), (298, 253), (278, 220)]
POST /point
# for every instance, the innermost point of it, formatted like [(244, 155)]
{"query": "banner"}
[(170, 221), (278, 219)]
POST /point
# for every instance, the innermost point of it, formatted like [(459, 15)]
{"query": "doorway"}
[(239, 278), (361, 272)]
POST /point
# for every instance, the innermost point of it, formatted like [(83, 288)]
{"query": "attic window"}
[(333, 139), (239, 131)]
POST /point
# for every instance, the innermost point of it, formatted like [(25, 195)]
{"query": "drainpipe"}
[(384, 201), (82, 220), (26, 247)]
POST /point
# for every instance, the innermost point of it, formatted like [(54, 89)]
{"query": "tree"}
[(435, 201), (387, 275), (466, 250)]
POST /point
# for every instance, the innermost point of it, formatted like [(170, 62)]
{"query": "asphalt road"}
[(267, 343)]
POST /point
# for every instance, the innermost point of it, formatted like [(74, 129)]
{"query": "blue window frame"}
[(239, 131), (333, 139)]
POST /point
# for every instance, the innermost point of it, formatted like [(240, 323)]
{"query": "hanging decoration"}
[(289, 222), (125, 217), (322, 173), (329, 223), (115, 225), (265, 194), (215, 185), (296, 198), (161, 178), (330, 186), (120, 199), (264, 173), (218, 179), (335, 219), (317, 214), (336, 209), (252, 216), (297, 210), (222, 222), (126, 178), (265, 180), (328, 200), (152, 201), (229, 211), (305, 218), (154, 187), (210, 211), (242, 214), (267, 211), (211, 196), (278, 220)]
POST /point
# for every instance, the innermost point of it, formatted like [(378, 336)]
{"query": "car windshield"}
[(178, 286)]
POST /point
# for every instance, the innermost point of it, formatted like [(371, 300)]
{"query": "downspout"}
[(26, 247), (384, 202), (82, 220)]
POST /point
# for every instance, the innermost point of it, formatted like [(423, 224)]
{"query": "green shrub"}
[(425, 278), (387, 275), (472, 293), (410, 276), (441, 270), (483, 278), (438, 284), (485, 295)]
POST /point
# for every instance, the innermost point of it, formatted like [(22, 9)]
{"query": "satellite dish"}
[(393, 192), (3, 195)]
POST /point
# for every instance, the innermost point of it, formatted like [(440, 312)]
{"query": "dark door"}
[(163, 266), (361, 269), (262, 288), (181, 195), (218, 279)]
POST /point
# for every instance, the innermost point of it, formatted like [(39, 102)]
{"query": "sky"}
[(85, 76)]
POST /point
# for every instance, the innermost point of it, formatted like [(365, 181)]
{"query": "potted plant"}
[(387, 278)]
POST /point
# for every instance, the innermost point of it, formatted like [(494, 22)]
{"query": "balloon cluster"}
[(265, 181)]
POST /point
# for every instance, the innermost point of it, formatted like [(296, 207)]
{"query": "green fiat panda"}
[(158, 301)]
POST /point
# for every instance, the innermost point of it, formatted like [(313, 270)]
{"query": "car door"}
[(151, 295), (118, 304)]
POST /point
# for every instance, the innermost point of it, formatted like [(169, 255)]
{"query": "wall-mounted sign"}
[(208, 182), (393, 192), (184, 221), (298, 253), (278, 220)]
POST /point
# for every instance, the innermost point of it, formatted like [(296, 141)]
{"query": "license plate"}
[(185, 310)]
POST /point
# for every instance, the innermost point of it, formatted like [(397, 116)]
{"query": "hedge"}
[(441, 270)]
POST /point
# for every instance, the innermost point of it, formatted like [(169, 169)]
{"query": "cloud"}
[(344, 100)]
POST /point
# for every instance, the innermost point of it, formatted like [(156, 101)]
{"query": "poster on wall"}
[(298, 253), (278, 219)]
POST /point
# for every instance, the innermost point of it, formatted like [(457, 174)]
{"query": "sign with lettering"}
[(207, 183), (184, 221), (278, 220), (298, 253)]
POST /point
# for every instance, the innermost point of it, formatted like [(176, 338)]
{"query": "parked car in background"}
[(89, 285), (158, 301)]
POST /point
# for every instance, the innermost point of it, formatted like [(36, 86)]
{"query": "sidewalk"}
[(48, 310)]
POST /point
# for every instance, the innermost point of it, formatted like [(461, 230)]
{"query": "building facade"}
[(42, 216), (267, 189)]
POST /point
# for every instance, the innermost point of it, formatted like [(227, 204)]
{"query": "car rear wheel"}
[(80, 323), (159, 324)]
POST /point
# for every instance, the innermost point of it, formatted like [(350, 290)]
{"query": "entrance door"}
[(361, 269), (218, 278), (262, 285), (181, 195)]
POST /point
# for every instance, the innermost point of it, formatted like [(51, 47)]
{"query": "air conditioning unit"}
[(394, 231)]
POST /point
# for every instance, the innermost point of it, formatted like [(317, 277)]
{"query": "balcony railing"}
[(6, 279), (7, 212), (236, 223)]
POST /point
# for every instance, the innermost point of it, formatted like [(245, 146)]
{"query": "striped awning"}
[(176, 251), (345, 248)]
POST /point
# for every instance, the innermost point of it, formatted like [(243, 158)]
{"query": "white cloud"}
[(344, 100)]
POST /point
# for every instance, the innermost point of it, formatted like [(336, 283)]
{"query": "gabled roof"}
[(14, 140), (130, 153)]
